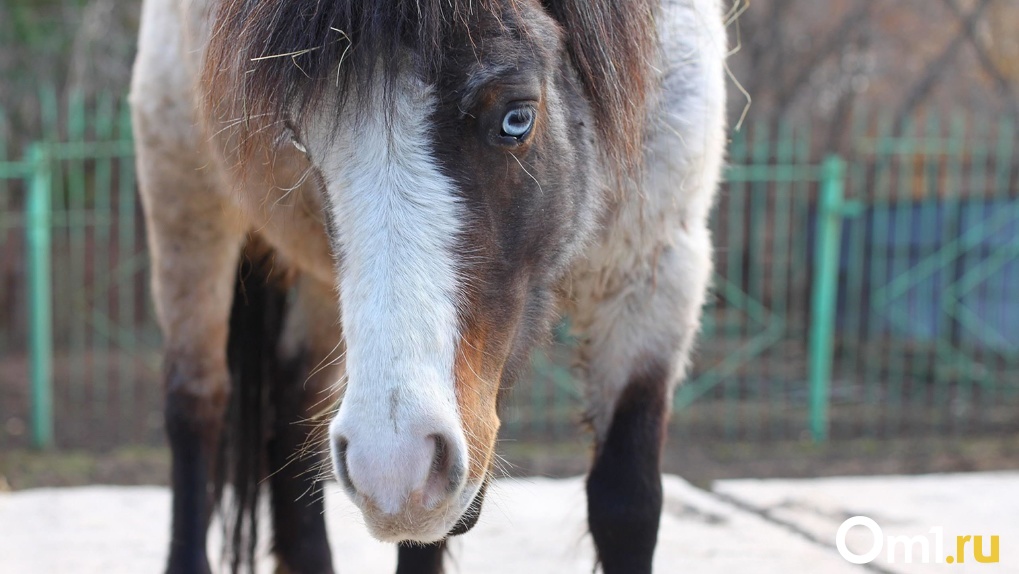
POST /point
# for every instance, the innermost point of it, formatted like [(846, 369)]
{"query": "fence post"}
[(39, 240), (825, 292)]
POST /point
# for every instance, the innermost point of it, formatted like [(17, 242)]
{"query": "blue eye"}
[(518, 122)]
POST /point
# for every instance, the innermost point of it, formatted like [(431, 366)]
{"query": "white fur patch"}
[(640, 288), (397, 218)]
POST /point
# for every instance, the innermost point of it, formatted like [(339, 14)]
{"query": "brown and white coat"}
[(428, 184)]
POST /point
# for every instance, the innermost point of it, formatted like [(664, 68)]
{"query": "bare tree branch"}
[(1005, 88), (837, 41), (766, 50), (932, 73)]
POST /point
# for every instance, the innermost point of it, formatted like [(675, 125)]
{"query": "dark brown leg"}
[(299, 527), (197, 391), (417, 559), (624, 488), (193, 425), (303, 395)]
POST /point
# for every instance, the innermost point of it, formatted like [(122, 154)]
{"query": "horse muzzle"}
[(409, 478)]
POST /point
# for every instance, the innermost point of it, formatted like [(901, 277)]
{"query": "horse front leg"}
[(300, 539), (194, 245), (304, 393), (195, 404), (624, 487), (194, 298), (193, 295), (635, 344), (415, 558)]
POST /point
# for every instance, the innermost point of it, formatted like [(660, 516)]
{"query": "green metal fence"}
[(933, 343), (79, 359), (871, 295)]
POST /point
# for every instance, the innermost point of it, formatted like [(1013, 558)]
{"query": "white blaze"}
[(398, 218)]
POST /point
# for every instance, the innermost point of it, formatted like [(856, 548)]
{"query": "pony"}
[(385, 205)]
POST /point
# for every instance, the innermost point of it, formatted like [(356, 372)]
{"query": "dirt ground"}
[(698, 463)]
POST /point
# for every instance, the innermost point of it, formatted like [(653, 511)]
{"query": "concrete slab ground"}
[(535, 526), (985, 504)]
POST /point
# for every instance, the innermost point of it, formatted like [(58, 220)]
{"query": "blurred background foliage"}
[(69, 46), (824, 62)]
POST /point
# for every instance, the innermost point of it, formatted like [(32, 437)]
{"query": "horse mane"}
[(269, 60), (613, 44)]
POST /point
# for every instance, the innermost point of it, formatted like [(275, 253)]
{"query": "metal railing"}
[(870, 295)]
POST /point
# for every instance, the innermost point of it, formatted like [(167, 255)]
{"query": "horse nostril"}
[(446, 472), (440, 460), (340, 446)]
